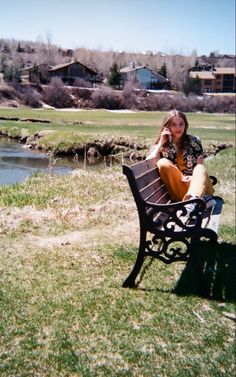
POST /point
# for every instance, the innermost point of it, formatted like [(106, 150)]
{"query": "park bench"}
[(167, 232)]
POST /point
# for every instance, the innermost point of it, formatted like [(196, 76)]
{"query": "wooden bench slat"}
[(160, 195), (148, 179), (142, 167), (139, 168), (160, 202), (156, 183), (150, 190)]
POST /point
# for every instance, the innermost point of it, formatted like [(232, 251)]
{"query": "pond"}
[(17, 162)]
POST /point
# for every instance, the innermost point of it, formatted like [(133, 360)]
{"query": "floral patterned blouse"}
[(191, 151)]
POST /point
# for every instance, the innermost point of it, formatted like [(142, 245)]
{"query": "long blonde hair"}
[(167, 121)]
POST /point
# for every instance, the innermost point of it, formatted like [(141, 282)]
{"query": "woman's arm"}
[(154, 152)]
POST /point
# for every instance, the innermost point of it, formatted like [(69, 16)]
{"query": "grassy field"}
[(68, 243), (73, 126)]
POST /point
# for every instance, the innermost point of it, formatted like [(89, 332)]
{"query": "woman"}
[(180, 161)]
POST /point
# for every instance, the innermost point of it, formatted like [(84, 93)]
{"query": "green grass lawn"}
[(68, 243), (145, 125)]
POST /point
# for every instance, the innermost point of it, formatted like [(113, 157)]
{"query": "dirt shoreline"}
[(105, 146)]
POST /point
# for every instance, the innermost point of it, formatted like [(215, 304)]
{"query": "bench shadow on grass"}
[(218, 268)]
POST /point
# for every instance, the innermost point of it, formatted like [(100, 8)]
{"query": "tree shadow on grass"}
[(218, 268)]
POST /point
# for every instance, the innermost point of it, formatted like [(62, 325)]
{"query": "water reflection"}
[(17, 163)]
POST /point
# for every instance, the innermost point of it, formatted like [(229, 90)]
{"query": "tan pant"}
[(172, 177)]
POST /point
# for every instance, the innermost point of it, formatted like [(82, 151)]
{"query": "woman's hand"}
[(165, 136), (186, 178)]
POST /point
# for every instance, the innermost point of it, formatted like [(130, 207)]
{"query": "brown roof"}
[(59, 66), (226, 71), (205, 75), (29, 68), (210, 75)]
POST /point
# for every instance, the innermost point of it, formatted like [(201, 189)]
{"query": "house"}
[(143, 77), (69, 72), (217, 80), (35, 73)]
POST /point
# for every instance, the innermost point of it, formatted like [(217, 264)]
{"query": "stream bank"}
[(117, 146)]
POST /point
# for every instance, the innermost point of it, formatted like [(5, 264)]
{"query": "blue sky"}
[(170, 26)]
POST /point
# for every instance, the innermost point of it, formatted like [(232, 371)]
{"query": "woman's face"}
[(177, 128)]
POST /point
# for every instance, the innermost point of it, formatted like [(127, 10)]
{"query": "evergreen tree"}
[(3, 63), (197, 85), (192, 85), (197, 65), (187, 85), (19, 49), (34, 74), (114, 77), (163, 70), (12, 74)]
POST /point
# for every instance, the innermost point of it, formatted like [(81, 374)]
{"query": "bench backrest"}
[(146, 184)]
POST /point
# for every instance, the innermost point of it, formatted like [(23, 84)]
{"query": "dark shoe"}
[(209, 201)]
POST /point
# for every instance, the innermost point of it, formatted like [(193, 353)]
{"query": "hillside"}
[(27, 53), (18, 54)]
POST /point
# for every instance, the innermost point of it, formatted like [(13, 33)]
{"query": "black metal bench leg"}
[(198, 267), (130, 280)]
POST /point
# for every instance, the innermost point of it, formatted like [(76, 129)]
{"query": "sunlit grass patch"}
[(55, 204), (82, 187), (69, 311), (227, 232)]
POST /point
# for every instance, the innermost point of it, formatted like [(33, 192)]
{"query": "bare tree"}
[(177, 67)]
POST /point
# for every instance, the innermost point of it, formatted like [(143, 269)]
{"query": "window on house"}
[(228, 77), (228, 83), (207, 90), (208, 82)]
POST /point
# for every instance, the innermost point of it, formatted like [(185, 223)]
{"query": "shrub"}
[(191, 103), (32, 98), (160, 102), (105, 98), (81, 93), (8, 92), (219, 104), (57, 95), (82, 83), (129, 96)]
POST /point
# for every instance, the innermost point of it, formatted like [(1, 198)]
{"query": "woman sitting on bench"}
[(180, 161)]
